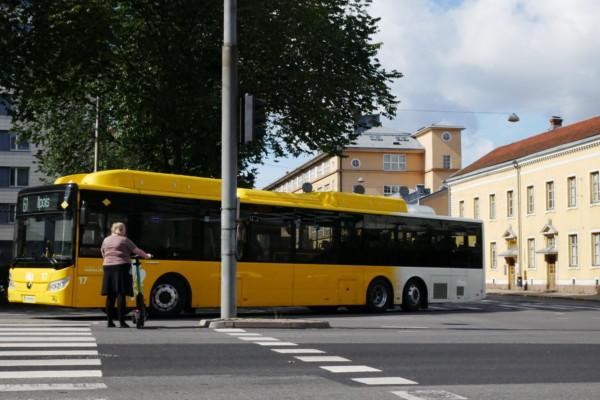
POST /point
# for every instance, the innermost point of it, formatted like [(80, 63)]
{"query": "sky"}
[(474, 62)]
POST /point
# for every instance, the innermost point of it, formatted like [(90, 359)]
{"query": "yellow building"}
[(539, 199), (383, 162)]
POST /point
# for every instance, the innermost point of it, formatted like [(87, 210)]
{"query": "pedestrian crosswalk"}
[(511, 306), (48, 357)]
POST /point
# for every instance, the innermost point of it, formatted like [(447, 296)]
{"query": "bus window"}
[(315, 238), (350, 243), (268, 237)]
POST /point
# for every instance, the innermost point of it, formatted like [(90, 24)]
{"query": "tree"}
[(156, 67)]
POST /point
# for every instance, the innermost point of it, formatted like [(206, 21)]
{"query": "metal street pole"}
[(229, 130)]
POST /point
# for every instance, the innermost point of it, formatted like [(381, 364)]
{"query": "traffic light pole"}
[(229, 131)]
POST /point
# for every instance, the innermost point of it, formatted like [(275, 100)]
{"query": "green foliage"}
[(156, 67)]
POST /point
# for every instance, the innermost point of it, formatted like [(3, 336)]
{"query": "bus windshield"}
[(43, 235)]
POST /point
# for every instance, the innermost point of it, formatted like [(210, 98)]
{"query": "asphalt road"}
[(503, 348)]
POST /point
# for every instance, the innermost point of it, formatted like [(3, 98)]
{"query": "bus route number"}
[(43, 202)]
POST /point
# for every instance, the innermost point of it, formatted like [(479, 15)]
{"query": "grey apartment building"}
[(17, 171)]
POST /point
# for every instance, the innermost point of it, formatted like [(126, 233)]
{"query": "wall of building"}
[(582, 220), (436, 148), (372, 173)]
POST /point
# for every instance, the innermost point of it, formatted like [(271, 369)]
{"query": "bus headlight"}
[(60, 284)]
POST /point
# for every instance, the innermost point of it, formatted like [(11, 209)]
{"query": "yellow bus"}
[(310, 249)]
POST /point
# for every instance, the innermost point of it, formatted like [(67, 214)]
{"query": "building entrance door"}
[(511, 277), (551, 282)]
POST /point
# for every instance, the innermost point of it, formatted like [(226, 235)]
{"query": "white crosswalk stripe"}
[(30, 354), (427, 395)]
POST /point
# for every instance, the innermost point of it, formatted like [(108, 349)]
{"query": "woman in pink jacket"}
[(117, 283)]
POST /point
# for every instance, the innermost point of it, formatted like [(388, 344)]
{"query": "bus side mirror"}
[(83, 214)]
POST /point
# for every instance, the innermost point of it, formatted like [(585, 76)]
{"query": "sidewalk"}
[(557, 295)]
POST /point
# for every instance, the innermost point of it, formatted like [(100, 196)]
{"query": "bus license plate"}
[(28, 299)]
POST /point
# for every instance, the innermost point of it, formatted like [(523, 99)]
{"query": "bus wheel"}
[(168, 297), (413, 296), (379, 295)]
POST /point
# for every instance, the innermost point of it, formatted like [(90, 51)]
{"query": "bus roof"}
[(159, 184)]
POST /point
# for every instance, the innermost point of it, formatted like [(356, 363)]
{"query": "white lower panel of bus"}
[(444, 284)]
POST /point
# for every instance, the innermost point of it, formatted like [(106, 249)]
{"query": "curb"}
[(264, 323), (541, 295)]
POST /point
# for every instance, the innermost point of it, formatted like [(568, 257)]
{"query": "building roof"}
[(428, 128), (385, 138), (534, 144)]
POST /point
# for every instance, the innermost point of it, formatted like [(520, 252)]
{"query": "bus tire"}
[(379, 295), (414, 295), (168, 297)]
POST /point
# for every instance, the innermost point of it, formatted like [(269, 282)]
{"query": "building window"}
[(476, 208), (573, 251), (596, 249), (493, 256), (531, 253), (447, 161), (7, 213), (461, 208), (550, 242), (389, 190), (355, 163), (394, 162), (595, 187), (550, 195), (530, 200), (16, 145), (14, 176), (446, 136), (492, 206), (509, 203), (572, 191)]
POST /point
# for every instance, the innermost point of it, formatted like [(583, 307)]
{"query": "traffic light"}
[(254, 118)]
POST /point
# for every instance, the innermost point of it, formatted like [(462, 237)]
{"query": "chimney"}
[(555, 122)]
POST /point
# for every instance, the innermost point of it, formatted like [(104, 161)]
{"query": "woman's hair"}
[(118, 228)]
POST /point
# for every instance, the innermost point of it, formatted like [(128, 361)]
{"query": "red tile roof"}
[(534, 144)]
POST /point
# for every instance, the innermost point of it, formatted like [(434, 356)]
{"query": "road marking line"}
[(49, 333), (298, 351), (428, 395), (276, 343), (259, 338), (45, 330), (227, 330), (385, 380), (49, 362), (341, 369), (322, 359), (48, 345), (96, 373), (32, 353), (403, 327), (51, 386), (46, 339), (238, 334)]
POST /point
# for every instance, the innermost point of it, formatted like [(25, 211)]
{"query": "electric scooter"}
[(139, 313)]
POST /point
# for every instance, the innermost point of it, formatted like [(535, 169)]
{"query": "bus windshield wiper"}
[(51, 260)]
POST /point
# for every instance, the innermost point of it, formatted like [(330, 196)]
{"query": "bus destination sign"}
[(40, 202)]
